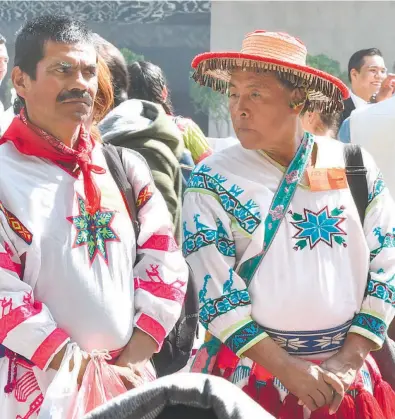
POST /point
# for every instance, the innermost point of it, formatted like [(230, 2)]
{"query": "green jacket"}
[(146, 128)]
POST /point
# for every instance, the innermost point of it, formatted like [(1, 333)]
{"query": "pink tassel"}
[(290, 408), (367, 407), (347, 408), (385, 397), (269, 398)]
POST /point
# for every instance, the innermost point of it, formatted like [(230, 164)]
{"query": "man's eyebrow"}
[(63, 64), (378, 66)]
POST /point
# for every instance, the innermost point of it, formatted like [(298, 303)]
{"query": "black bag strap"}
[(113, 156), (356, 178)]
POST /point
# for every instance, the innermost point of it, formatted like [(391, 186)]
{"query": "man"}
[(369, 80), (144, 127), (294, 293), (374, 129), (66, 239), (3, 63)]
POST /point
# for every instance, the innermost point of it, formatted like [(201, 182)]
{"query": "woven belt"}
[(310, 342)]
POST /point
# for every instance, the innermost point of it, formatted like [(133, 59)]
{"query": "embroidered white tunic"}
[(309, 290), (66, 275)]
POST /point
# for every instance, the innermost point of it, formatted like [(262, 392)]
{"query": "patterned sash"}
[(279, 205)]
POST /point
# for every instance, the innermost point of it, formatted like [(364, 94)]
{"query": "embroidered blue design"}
[(371, 324), (247, 215), (239, 339), (241, 373), (383, 291), (316, 227), (378, 187), (387, 240), (311, 342), (231, 299), (205, 237)]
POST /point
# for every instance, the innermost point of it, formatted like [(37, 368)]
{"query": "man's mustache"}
[(75, 94)]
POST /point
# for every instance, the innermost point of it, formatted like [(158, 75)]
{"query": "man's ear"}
[(298, 99), (21, 81), (353, 74)]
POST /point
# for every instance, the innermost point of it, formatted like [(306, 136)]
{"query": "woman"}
[(294, 292), (320, 124), (147, 82)]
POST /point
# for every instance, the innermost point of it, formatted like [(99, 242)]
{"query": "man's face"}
[(368, 80), (3, 61), (259, 105), (65, 85)]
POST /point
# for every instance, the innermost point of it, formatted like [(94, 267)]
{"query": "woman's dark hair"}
[(116, 63), (147, 82)]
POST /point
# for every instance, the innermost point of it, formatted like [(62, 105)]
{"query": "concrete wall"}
[(334, 28)]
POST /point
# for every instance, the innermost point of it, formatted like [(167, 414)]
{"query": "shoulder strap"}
[(113, 156), (356, 178)]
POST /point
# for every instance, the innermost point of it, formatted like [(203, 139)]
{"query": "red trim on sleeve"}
[(16, 316), (161, 290), (48, 347), (7, 263), (160, 242), (150, 326)]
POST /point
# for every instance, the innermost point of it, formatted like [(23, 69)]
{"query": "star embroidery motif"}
[(93, 230), (319, 227)]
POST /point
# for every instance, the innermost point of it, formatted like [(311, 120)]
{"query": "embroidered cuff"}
[(51, 345), (247, 334), (152, 327), (382, 291), (369, 326)]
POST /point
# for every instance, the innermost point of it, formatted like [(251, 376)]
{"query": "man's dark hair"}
[(357, 59), (31, 39), (2, 39), (117, 65), (147, 82)]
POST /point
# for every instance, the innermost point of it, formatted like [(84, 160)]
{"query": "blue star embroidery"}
[(319, 227)]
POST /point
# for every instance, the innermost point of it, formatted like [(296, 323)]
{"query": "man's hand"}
[(57, 361), (387, 88), (346, 363), (132, 376), (311, 384)]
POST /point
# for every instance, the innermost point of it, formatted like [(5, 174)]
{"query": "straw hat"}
[(264, 51)]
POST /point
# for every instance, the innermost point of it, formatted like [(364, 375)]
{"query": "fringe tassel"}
[(385, 397), (323, 413), (269, 398), (324, 96), (366, 406), (346, 409), (290, 408)]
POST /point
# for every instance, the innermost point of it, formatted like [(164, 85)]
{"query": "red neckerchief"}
[(33, 141)]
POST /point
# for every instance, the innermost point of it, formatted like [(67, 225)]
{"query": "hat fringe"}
[(315, 86)]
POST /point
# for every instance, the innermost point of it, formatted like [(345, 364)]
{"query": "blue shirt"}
[(344, 134)]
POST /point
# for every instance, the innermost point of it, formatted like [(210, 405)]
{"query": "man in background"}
[(3, 64)]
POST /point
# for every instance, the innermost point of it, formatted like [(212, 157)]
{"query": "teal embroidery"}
[(378, 187), (279, 205), (242, 337), (385, 241), (315, 227), (241, 373), (93, 230), (231, 299), (382, 290), (371, 324), (206, 236), (247, 215)]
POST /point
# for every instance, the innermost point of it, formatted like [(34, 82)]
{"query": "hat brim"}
[(325, 92)]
